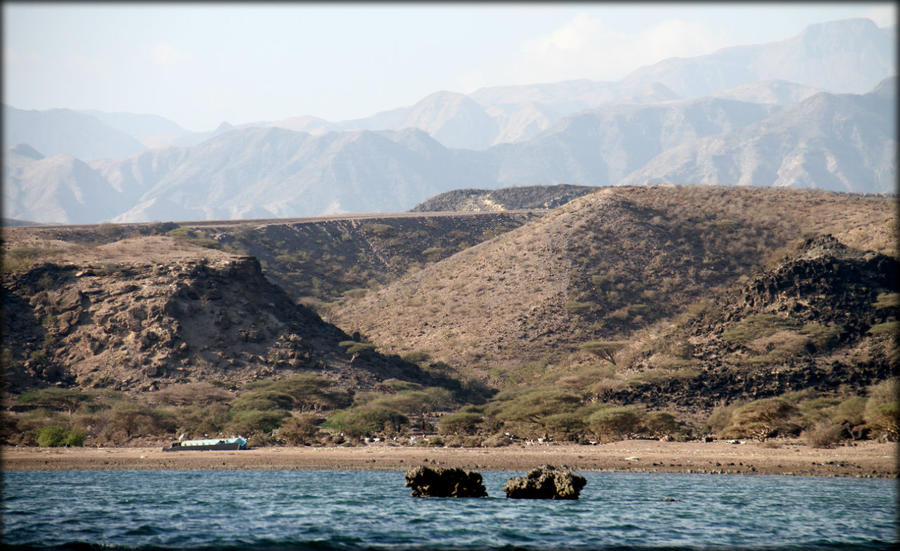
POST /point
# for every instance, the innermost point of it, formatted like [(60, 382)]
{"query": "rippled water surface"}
[(373, 509)]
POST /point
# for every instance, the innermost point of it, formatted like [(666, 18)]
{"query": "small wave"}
[(145, 530)]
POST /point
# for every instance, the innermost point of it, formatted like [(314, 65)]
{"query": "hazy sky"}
[(201, 64)]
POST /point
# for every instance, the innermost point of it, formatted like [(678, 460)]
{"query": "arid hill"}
[(320, 261), (314, 260), (160, 313), (606, 266)]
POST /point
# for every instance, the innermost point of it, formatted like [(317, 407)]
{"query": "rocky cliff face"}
[(807, 323), (136, 326)]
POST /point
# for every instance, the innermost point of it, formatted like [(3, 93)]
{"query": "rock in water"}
[(427, 482), (545, 482)]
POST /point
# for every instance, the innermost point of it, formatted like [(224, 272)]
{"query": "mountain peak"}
[(854, 24), (26, 150)]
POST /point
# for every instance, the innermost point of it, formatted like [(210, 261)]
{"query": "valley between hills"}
[(562, 313)]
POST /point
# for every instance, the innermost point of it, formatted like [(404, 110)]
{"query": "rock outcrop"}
[(141, 326), (545, 482), (455, 482)]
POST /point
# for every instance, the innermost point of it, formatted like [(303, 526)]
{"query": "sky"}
[(205, 63)]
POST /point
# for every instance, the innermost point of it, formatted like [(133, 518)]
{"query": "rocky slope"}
[(820, 319), (505, 199), (603, 266), (140, 325)]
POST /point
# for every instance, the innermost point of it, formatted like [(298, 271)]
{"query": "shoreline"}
[(790, 457)]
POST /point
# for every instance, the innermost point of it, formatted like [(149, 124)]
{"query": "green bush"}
[(136, 420), (889, 328), (887, 301), (524, 411), (362, 421), (720, 418), (263, 400), (660, 423), (850, 411), (407, 401), (60, 435), (307, 391), (564, 426), (614, 422), (255, 422), (882, 412), (354, 348), (203, 419), (762, 419), (460, 422)]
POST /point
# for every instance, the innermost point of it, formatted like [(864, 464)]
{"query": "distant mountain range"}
[(754, 115)]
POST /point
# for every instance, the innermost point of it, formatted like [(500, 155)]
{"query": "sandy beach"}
[(865, 459)]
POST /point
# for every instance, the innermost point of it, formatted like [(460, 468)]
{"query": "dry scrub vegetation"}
[(603, 267), (652, 312)]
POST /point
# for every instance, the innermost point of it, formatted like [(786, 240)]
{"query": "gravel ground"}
[(787, 457)]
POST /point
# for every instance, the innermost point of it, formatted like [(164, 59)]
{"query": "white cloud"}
[(586, 47), (167, 56)]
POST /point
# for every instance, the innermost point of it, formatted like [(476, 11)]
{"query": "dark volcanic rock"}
[(427, 482), (545, 482)]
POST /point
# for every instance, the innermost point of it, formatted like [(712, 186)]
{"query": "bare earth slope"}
[(600, 267)]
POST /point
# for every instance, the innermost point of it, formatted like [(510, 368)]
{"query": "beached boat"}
[(236, 443)]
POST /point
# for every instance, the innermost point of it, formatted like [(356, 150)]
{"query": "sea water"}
[(373, 509)]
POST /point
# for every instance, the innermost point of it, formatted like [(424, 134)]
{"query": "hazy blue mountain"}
[(57, 189), (139, 126), (273, 172), (841, 142), (847, 56), (571, 96), (452, 119), (306, 123), (64, 131), (764, 121), (778, 92), (601, 146), (491, 115)]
